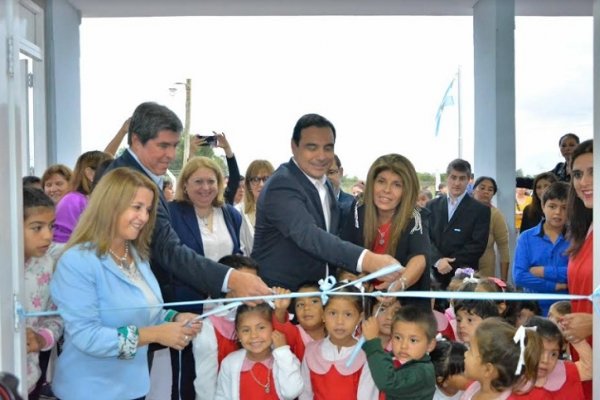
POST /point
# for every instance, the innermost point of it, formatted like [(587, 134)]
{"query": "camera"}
[(210, 140)]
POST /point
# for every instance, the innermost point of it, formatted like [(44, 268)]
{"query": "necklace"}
[(381, 240), (122, 261), (206, 220), (129, 270), (266, 386)]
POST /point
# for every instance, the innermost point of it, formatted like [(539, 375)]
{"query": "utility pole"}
[(187, 121)]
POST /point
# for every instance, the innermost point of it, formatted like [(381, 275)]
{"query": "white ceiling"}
[(164, 8)]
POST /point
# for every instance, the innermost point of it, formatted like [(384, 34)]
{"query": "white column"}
[(63, 82), (494, 59), (12, 345)]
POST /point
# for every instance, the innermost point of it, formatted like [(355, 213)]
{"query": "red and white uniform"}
[(444, 325), (562, 383), (216, 340), (326, 376), (295, 336), (243, 379)]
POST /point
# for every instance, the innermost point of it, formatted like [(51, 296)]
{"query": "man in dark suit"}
[(459, 225), (297, 212), (335, 174), (154, 133)]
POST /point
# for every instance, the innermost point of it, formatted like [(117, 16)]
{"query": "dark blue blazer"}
[(169, 256), (291, 243), (464, 237), (345, 203), (185, 223), (345, 199)]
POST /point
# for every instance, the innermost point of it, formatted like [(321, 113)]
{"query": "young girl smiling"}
[(264, 368)]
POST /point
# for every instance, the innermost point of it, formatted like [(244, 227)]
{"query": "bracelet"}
[(402, 284), (171, 315)]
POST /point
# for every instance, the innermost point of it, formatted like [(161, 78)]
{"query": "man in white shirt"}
[(459, 225), (297, 215)]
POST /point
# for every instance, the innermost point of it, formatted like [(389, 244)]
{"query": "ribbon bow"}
[(470, 279), (519, 337), (325, 285)]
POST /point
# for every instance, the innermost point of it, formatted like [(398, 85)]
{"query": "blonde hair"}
[(255, 168), (92, 159), (109, 200), (193, 165), (402, 167)]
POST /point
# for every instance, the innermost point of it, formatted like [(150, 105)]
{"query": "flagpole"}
[(460, 136)]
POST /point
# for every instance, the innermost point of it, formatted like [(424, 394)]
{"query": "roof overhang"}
[(171, 8)]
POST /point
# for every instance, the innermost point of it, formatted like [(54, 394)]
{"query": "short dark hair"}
[(568, 135), (448, 359), (357, 301), (309, 120), (556, 191), (34, 198), (150, 118), (337, 161), (416, 315), (486, 178), (459, 165), (482, 308), (263, 309), (237, 261), (546, 329), (31, 180)]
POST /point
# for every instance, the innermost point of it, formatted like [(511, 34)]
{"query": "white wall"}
[(63, 86)]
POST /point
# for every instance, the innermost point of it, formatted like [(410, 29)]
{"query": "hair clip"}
[(440, 338), (464, 271), (501, 284), (519, 337)]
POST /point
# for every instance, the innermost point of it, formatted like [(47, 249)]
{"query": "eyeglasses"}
[(255, 180), (333, 171)]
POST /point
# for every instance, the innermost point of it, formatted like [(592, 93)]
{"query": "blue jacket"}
[(534, 248), (185, 223), (88, 368)]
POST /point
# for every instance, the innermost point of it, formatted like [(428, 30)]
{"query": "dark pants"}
[(183, 385)]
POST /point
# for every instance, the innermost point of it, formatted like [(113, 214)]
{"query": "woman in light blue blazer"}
[(108, 296)]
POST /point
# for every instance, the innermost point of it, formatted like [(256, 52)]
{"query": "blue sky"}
[(378, 79)]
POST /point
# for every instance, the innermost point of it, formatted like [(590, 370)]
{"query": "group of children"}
[(467, 350)]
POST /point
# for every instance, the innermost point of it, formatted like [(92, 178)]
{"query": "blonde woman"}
[(256, 176), (388, 222), (108, 296), (208, 225)]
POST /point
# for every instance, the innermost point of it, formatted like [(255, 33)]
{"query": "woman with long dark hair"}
[(580, 274)]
